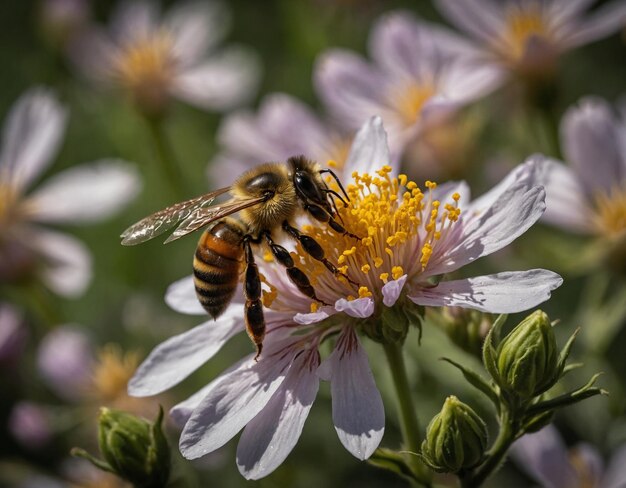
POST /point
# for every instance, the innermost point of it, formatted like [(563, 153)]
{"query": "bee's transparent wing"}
[(204, 216), (159, 222)]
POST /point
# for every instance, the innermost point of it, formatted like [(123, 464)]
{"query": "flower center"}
[(610, 211), (400, 227), (522, 23), (8, 200), (146, 63), (411, 100), (112, 372)]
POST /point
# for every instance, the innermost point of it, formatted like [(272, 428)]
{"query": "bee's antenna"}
[(332, 173)]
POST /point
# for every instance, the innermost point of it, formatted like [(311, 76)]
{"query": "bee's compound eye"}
[(264, 182), (307, 187)]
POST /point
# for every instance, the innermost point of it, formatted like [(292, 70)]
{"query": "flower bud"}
[(393, 323), (465, 327), (527, 358), (133, 448), (456, 438)]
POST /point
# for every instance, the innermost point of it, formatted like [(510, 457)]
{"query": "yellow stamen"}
[(523, 21), (610, 211), (113, 371)]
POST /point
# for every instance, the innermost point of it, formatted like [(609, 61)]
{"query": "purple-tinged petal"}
[(507, 292), (358, 412), (173, 360), (444, 192), (392, 290), (465, 81), (66, 262), (615, 473), (65, 361), (86, 193), (604, 21), (589, 461), (310, 318), (566, 200), (235, 399), (93, 54), (474, 236), (30, 424), (13, 333), (31, 137), (543, 455), (369, 151), (591, 144), (269, 437), (361, 308), (196, 26), (227, 79), (482, 19), (134, 19), (181, 296)]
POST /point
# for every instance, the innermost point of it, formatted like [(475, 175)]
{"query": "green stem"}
[(166, 157), (406, 409), (496, 454)]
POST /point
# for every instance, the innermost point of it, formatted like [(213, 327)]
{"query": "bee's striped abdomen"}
[(216, 265)]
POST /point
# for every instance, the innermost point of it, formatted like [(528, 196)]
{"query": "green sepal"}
[(393, 461), (586, 391), (564, 354), (477, 381), (534, 423), (489, 350)]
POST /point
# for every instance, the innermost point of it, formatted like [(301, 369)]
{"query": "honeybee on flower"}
[(410, 237)]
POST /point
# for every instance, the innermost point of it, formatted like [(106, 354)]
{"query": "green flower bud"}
[(465, 327), (393, 323), (527, 358), (456, 438), (134, 448)]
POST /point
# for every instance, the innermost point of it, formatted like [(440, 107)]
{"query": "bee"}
[(268, 199)]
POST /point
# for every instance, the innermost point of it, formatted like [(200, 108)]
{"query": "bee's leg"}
[(253, 308), (297, 277), (318, 213), (313, 249)]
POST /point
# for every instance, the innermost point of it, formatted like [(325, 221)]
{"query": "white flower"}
[(528, 35), (31, 136), (394, 263), (282, 127), (418, 74), (157, 59), (588, 196)]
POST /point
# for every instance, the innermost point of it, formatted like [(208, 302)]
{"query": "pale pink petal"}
[(181, 296), (566, 200), (196, 26), (181, 412), (615, 473), (179, 356), (507, 292), (86, 193), (472, 237), (310, 318), (236, 398), (30, 137), (369, 151), (13, 333), (269, 437), (606, 20), (93, 54), (229, 78), (361, 308), (358, 412), (543, 455), (66, 262), (483, 19), (392, 290), (466, 81), (134, 19), (591, 143)]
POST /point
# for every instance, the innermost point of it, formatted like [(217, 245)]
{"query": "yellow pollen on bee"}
[(610, 212)]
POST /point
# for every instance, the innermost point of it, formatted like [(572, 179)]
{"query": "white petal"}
[(465, 81), (566, 201), (606, 20), (360, 308), (86, 193), (472, 237), (591, 141), (67, 262), (507, 292), (482, 19), (369, 151), (310, 318), (392, 290), (195, 27), (268, 439), (30, 137), (179, 356), (228, 79), (134, 19), (444, 192), (181, 296), (358, 412), (236, 398)]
